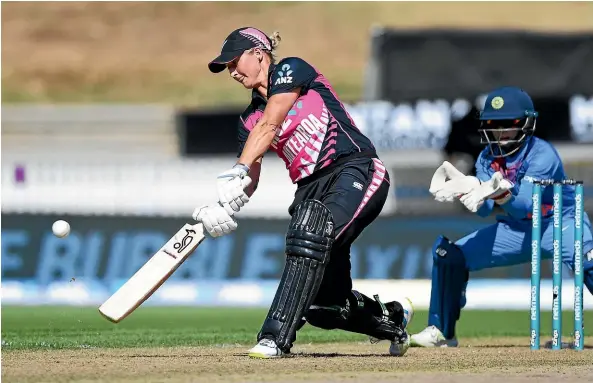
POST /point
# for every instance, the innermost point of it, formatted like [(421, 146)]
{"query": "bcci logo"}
[(497, 102)]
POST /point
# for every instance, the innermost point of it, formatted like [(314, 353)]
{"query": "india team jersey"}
[(536, 160), (317, 130)]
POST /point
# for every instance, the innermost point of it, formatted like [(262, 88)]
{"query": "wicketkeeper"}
[(342, 187), (512, 159)]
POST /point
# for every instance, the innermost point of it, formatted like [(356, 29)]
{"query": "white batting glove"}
[(216, 220), (448, 183), (231, 187)]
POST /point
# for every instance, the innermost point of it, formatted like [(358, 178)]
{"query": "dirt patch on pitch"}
[(353, 362)]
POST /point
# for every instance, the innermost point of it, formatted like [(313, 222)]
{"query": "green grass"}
[(83, 327)]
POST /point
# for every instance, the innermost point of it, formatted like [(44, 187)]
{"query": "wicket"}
[(536, 227)]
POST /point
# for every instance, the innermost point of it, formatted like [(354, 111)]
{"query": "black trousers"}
[(355, 193)]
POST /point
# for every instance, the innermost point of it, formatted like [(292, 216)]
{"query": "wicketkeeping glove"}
[(497, 188), (448, 183)]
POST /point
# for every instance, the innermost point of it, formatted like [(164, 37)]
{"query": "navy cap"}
[(508, 103), (236, 43)]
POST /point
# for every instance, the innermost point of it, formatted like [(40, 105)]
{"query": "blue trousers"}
[(505, 243), (508, 243)]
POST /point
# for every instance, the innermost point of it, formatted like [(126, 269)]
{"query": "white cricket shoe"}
[(432, 337), (266, 348), (397, 348), (408, 311)]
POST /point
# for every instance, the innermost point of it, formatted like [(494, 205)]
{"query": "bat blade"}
[(153, 273)]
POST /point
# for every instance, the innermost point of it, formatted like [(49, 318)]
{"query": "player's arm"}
[(541, 167), (486, 209), (291, 77), (235, 185), (264, 131), (287, 81), (255, 170), (254, 173)]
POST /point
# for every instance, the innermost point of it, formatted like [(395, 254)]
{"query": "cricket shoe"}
[(401, 347), (408, 311), (432, 337), (393, 317), (266, 348)]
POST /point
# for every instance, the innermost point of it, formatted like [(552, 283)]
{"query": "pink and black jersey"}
[(317, 132)]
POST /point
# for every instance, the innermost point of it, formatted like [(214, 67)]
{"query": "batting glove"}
[(216, 220), (231, 187)]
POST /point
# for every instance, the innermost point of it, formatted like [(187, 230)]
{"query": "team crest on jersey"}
[(284, 74)]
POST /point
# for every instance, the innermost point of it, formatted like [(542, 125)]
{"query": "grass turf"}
[(48, 327)]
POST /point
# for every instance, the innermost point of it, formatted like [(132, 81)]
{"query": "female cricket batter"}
[(342, 187), (513, 158)]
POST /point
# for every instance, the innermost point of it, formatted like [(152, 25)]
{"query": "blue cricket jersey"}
[(536, 160)]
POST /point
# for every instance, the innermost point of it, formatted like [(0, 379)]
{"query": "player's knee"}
[(446, 252), (309, 240), (311, 232)]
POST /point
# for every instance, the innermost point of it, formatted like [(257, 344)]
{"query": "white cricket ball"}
[(61, 228)]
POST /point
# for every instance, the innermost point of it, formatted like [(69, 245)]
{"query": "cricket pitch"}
[(498, 360), (181, 344)]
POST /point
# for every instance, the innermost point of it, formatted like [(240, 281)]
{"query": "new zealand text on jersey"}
[(310, 126)]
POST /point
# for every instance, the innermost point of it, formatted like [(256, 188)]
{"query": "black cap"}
[(236, 43)]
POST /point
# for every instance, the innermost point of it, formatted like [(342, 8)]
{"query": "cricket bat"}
[(153, 274)]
